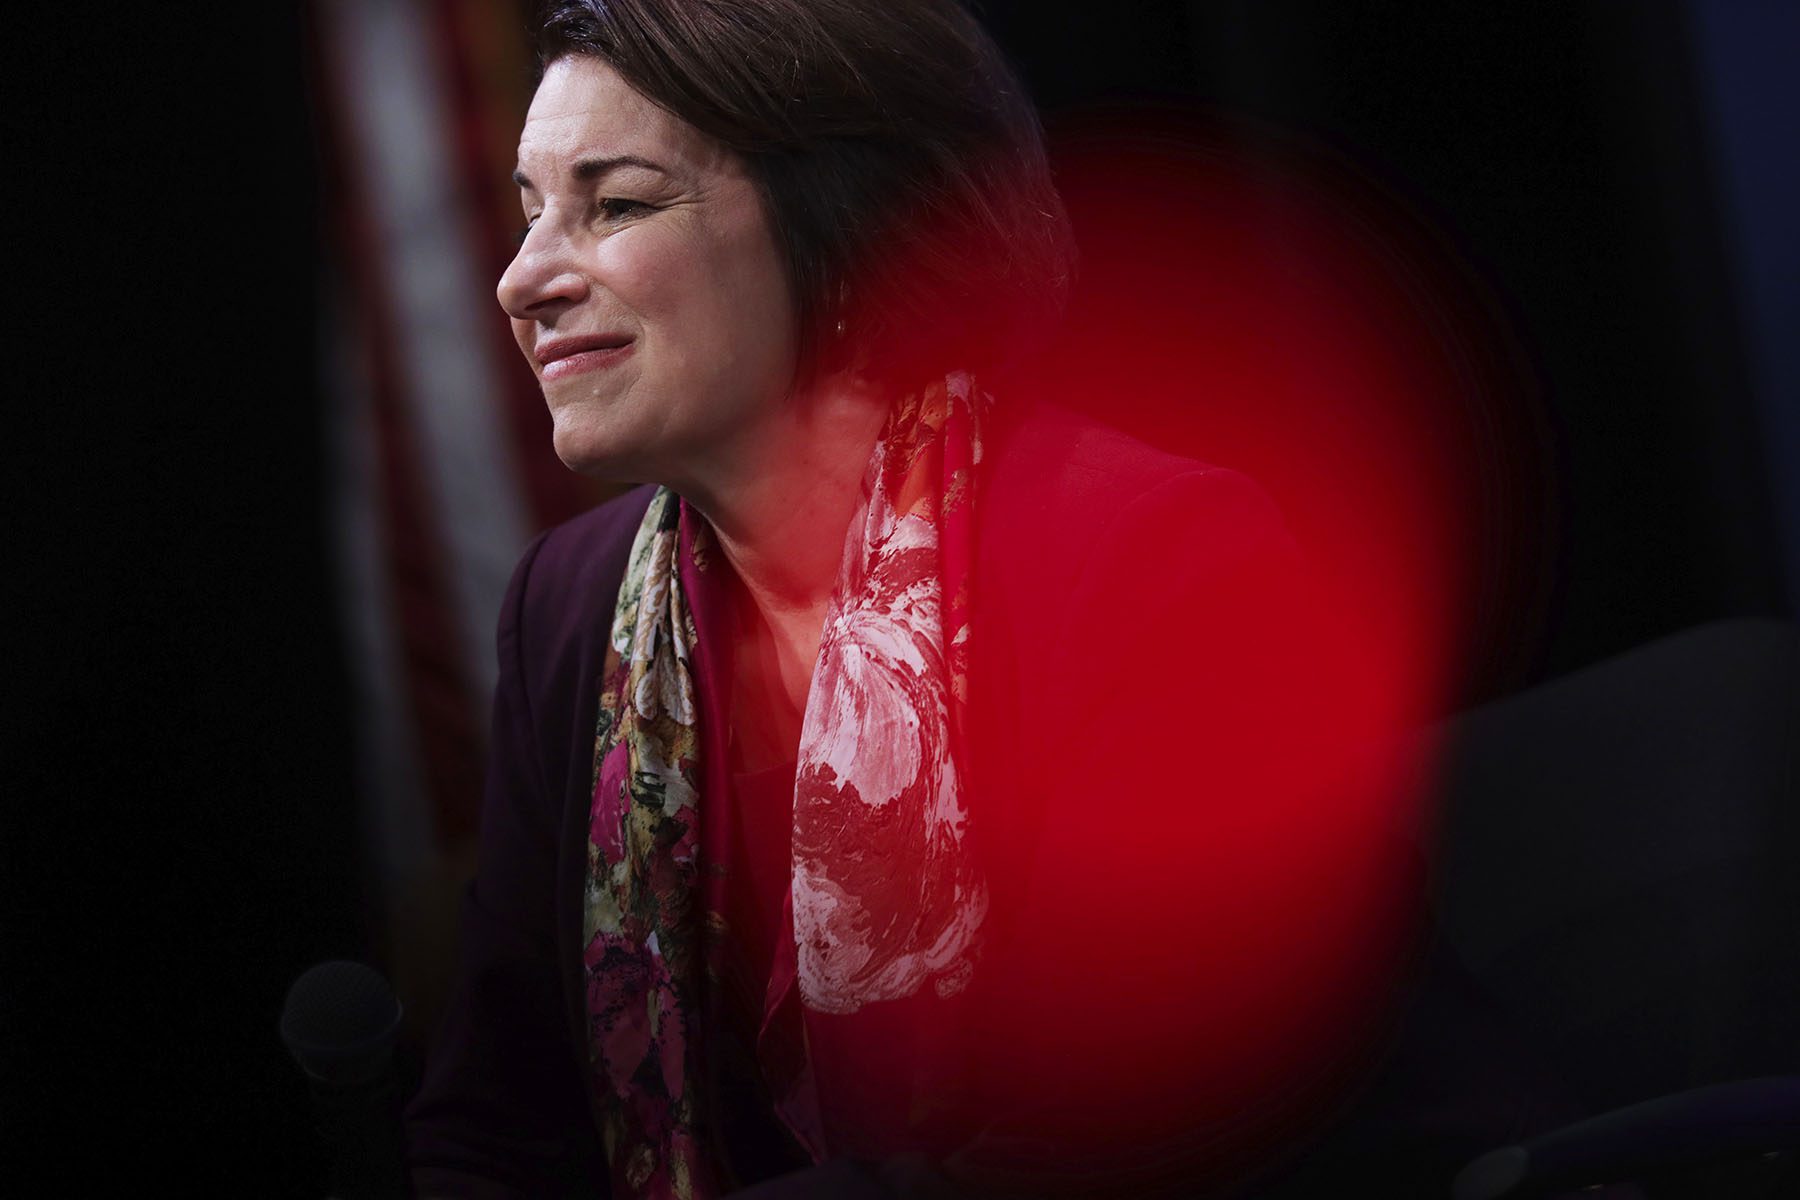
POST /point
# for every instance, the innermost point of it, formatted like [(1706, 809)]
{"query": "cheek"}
[(715, 295), (649, 274), (754, 282)]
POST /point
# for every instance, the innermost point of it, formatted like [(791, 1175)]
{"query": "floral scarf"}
[(885, 900)]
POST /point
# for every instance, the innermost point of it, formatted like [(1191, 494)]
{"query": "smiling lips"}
[(573, 355)]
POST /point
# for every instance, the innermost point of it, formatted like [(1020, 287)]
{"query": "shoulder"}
[(565, 584), (1065, 496)]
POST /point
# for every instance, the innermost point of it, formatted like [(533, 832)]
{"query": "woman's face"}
[(648, 293)]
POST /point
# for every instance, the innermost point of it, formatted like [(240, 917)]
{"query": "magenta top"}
[(751, 847)]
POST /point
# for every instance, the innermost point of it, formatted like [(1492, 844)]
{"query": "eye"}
[(614, 208), (523, 232)]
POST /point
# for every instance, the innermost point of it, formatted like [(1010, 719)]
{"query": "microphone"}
[(339, 1023)]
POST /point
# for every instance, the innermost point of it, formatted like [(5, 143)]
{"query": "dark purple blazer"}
[(1087, 542)]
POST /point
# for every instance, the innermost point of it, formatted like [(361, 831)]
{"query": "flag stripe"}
[(424, 589), (481, 104), (417, 204)]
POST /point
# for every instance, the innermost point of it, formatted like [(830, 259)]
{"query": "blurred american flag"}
[(443, 468)]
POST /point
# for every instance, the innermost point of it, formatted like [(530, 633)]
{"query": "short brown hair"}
[(900, 161)]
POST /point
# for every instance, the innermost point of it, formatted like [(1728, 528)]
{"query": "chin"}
[(586, 455), (588, 448)]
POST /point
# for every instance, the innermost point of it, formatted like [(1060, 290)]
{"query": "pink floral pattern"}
[(885, 897), (642, 939)]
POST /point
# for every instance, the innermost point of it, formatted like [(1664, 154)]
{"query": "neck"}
[(782, 502)]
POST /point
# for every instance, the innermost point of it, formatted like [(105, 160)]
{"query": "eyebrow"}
[(588, 169)]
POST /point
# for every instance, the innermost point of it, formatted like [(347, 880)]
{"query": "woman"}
[(870, 786)]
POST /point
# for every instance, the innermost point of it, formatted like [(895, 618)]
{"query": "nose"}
[(542, 277)]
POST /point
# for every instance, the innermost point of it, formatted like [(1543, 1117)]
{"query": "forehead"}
[(585, 109)]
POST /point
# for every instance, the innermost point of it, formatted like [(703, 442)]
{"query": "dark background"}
[(181, 829)]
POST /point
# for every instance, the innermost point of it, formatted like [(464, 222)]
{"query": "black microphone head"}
[(339, 1023)]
